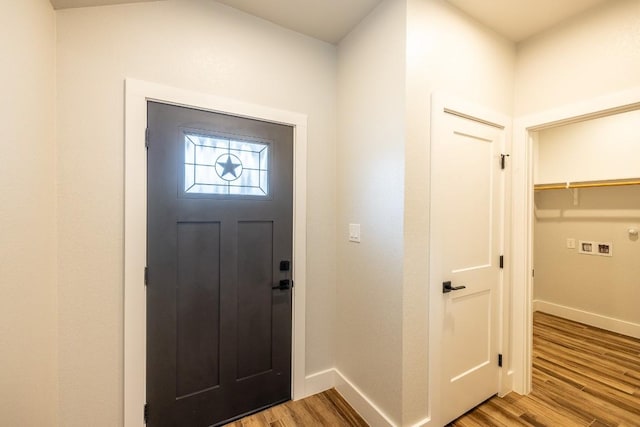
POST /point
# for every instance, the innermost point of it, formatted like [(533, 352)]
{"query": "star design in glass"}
[(229, 167)]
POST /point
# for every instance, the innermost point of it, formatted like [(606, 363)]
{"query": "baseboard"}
[(372, 414), (368, 410), (329, 378), (592, 319), (319, 382), (506, 383), (422, 423)]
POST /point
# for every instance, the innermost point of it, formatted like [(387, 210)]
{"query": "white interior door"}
[(466, 240)]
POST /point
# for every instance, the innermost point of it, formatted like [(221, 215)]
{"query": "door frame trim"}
[(137, 93), (523, 215), (444, 103)]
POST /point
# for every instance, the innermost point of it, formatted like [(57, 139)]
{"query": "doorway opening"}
[(523, 210)]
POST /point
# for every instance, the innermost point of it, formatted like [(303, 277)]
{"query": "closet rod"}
[(584, 185)]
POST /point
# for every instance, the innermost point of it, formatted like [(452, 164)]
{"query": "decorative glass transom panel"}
[(225, 166)]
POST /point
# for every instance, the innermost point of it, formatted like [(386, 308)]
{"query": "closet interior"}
[(587, 221)]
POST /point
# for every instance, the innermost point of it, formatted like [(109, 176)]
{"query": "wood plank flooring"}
[(324, 409), (582, 376)]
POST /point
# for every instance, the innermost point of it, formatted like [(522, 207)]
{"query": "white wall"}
[(602, 286), (192, 44), (451, 53), (385, 84), (28, 322), (593, 54), (370, 159), (600, 149)]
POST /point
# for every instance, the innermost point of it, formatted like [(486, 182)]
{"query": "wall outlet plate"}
[(604, 249), (586, 247), (591, 247)]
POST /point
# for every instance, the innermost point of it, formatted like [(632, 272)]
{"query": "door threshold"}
[(252, 412)]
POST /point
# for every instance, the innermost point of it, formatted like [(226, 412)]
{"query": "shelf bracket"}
[(576, 196)]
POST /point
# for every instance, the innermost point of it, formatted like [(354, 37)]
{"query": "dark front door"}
[(219, 245)]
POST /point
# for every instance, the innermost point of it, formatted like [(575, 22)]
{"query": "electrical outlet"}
[(571, 243), (595, 248), (586, 247), (604, 249)]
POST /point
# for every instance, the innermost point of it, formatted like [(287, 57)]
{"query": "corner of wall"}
[(370, 172)]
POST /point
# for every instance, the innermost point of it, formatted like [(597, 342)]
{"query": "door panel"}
[(220, 192), (466, 231), (198, 307), (468, 227), (255, 270), (471, 322)]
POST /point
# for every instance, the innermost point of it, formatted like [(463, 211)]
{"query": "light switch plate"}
[(571, 243), (354, 233)]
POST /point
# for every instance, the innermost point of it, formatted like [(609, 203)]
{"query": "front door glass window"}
[(225, 166)]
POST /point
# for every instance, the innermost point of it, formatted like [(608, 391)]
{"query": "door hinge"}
[(500, 360), (146, 138), (501, 261), (533, 273), (146, 413), (146, 276), (502, 160)]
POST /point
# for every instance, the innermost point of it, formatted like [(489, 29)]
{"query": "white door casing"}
[(466, 234)]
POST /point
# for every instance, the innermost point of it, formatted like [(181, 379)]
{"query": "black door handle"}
[(284, 285), (446, 287)]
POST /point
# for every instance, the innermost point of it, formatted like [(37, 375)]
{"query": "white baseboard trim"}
[(368, 410), (372, 414), (422, 423), (592, 319), (506, 383), (319, 382)]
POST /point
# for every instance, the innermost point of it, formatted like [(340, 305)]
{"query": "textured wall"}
[(370, 160), (28, 322), (591, 150), (191, 44), (595, 53), (447, 52), (388, 68)]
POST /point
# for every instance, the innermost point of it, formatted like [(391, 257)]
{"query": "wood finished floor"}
[(582, 376), (324, 409)]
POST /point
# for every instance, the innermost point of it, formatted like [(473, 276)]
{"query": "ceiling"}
[(328, 20), (331, 20), (67, 4), (520, 19)]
